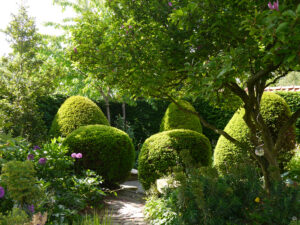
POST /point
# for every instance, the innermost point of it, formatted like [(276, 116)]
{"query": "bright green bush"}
[(175, 118), (106, 150), (275, 112), (76, 111), (163, 151), (19, 177)]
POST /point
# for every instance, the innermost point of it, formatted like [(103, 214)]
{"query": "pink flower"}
[(170, 3), (75, 50), (129, 26), (273, 6), (73, 155), (78, 155), (42, 161)]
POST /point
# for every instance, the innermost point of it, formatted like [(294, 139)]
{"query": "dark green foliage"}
[(106, 150), (76, 111), (293, 100), (275, 112), (216, 116), (204, 197), (48, 106), (163, 151), (175, 118)]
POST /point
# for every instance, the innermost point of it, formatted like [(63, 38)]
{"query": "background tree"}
[(226, 51), (26, 74)]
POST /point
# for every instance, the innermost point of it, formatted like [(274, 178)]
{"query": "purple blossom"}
[(273, 6), (122, 26), (30, 157), (75, 50), (129, 26), (31, 208), (42, 161), (36, 147), (170, 3), (2, 192), (79, 155), (73, 155)]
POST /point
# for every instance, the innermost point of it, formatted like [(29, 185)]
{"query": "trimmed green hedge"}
[(275, 112), (162, 151), (76, 111), (293, 100), (106, 150), (175, 118)]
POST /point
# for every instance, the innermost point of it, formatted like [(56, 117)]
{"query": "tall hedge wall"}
[(145, 117)]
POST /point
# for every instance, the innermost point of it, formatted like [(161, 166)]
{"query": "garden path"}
[(127, 207)]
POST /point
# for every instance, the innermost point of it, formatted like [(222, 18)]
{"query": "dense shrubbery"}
[(163, 151), (238, 198), (106, 150), (275, 112), (65, 194), (76, 111), (176, 118)]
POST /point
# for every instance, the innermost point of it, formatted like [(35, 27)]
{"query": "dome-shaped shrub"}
[(275, 112), (76, 111), (106, 150), (162, 151), (175, 118)]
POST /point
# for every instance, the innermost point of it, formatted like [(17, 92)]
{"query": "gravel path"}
[(127, 207)]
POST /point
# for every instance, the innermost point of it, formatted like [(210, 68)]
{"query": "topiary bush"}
[(175, 118), (275, 112), (76, 111), (106, 150), (162, 151)]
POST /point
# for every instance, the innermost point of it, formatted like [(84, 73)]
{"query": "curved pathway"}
[(127, 207)]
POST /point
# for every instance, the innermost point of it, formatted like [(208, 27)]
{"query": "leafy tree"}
[(226, 51), (292, 78), (26, 74)]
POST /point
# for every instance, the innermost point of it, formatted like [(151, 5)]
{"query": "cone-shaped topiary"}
[(106, 150), (275, 112), (162, 151), (175, 118), (76, 111)]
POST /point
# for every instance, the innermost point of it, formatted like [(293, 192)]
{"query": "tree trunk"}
[(124, 115)]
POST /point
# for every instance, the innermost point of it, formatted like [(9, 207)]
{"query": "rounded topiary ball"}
[(275, 112), (175, 118), (76, 111), (162, 151), (106, 150)]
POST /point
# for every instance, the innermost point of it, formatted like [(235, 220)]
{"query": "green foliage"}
[(293, 100), (26, 74), (106, 150), (237, 198), (16, 217), (76, 111), (13, 148), (175, 118), (21, 182), (158, 211), (163, 151), (293, 78), (293, 166), (275, 113), (66, 193)]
